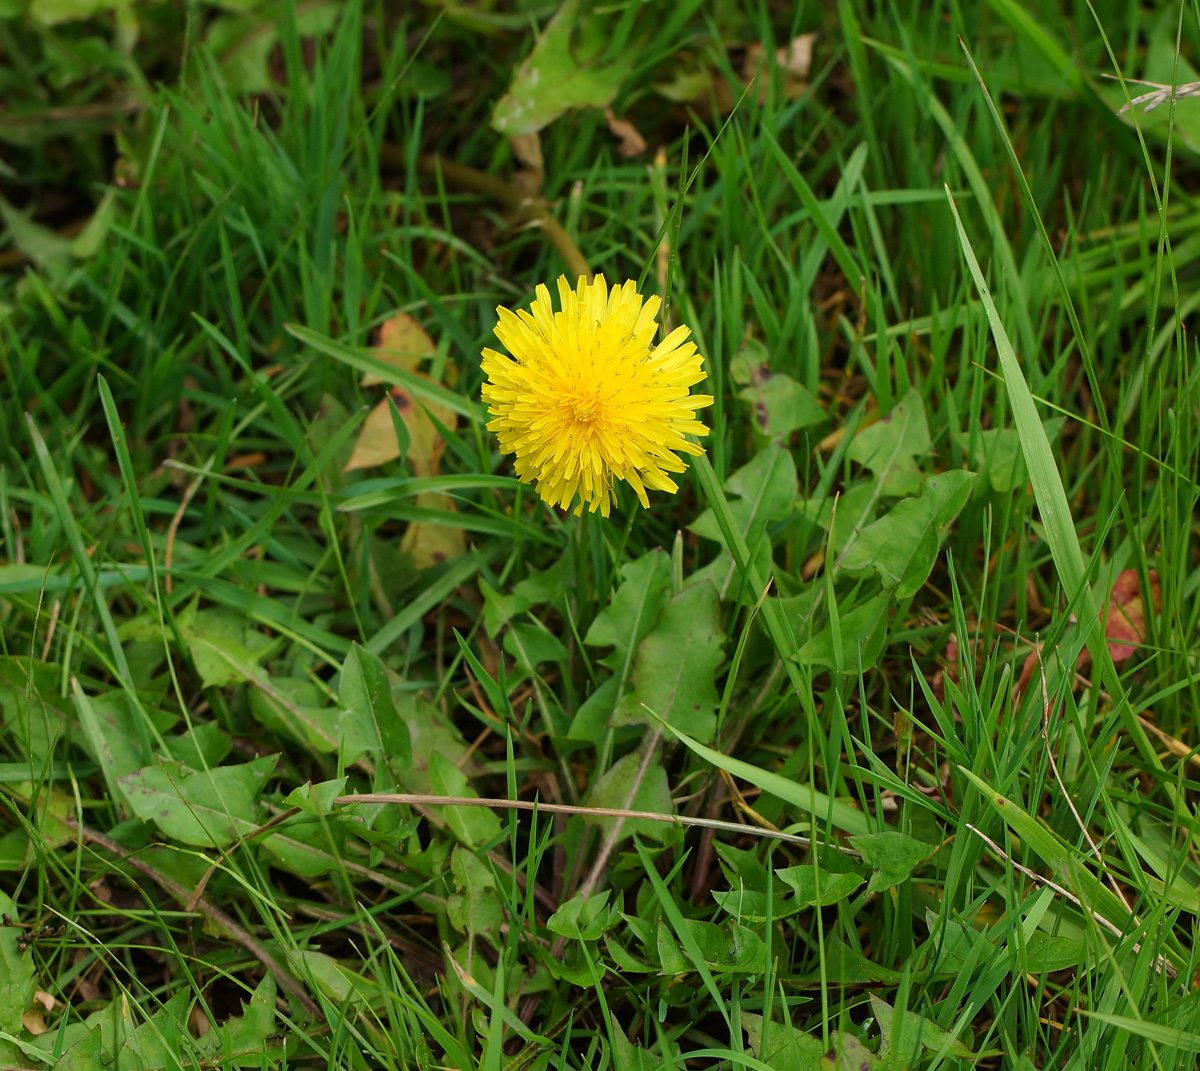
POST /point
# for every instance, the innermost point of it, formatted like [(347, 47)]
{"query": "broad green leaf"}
[(499, 609), (532, 645), (51, 807), (563, 71), (764, 488), (862, 631), (474, 826), (223, 647), (591, 719), (653, 794), (845, 966), (316, 799), (676, 666), (632, 611), (28, 705), (781, 406), (243, 42), (622, 624), (855, 509), (902, 545), (85, 1054), (916, 1026), (204, 809), (890, 446), (370, 723), (475, 909), (201, 747), (299, 709), (46, 248), (999, 451), (780, 1045), (246, 1034), (112, 738), (340, 984), (847, 1053), (16, 972), (891, 855), (736, 949), (583, 919), (811, 892)]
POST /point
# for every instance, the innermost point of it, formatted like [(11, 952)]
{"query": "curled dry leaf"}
[(33, 1021), (45, 999), (403, 344), (632, 142)]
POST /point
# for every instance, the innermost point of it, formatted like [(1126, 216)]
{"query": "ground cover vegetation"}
[(908, 661)]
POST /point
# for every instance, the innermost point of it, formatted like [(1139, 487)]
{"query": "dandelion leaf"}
[(902, 545)]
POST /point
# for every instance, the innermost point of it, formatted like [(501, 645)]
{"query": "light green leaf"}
[(633, 609), (472, 825), (890, 446), (892, 856), (369, 722), (49, 251), (205, 809), (653, 794), (676, 665), (1000, 451), (780, 1045), (810, 892), (223, 647), (781, 406), (931, 1035), (16, 972), (247, 1033), (862, 631), (563, 71), (902, 545), (764, 488), (112, 738), (475, 908), (847, 1053), (583, 919), (531, 645), (297, 708)]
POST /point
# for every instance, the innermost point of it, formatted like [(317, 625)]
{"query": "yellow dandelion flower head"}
[(585, 399)]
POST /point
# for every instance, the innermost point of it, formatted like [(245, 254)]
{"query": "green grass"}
[(946, 299)]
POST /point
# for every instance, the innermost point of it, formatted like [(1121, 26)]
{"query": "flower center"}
[(585, 408)]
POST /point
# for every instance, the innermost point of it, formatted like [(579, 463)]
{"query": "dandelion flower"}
[(586, 399)]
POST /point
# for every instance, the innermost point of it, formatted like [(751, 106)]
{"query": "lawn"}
[(850, 722)]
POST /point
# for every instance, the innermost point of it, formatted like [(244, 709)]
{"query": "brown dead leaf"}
[(33, 1021), (632, 142), (377, 440), (43, 998), (1125, 629), (427, 543), (403, 344)]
